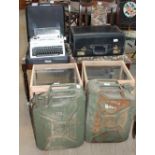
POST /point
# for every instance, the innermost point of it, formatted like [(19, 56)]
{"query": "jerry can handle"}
[(51, 90), (116, 84)]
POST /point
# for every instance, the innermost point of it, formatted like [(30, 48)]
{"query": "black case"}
[(97, 41), (44, 16)]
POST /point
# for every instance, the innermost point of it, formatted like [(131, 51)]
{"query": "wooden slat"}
[(31, 80), (102, 63), (78, 75), (54, 66), (22, 4), (125, 69), (121, 72)]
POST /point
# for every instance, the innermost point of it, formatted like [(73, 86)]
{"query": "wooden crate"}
[(120, 65), (56, 75)]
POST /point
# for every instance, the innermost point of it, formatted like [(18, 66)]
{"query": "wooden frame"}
[(43, 88), (121, 64)]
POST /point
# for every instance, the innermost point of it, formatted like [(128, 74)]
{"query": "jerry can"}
[(58, 117), (110, 111)]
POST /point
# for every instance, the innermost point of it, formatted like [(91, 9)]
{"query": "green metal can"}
[(58, 117), (110, 111)]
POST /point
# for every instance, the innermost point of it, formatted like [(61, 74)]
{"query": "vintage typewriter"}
[(45, 34), (47, 42)]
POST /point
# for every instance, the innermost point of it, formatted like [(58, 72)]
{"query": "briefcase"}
[(103, 40)]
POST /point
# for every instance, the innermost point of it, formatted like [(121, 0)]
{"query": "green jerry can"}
[(110, 111), (58, 117)]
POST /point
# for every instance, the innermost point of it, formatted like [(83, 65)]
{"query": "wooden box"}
[(107, 70), (44, 75)]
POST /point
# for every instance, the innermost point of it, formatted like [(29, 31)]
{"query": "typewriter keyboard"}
[(47, 51)]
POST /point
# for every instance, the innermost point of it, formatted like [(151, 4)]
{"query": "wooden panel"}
[(22, 4), (54, 66)]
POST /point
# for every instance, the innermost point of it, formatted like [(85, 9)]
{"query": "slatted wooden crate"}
[(108, 70), (44, 75)]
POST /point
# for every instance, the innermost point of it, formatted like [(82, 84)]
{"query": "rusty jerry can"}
[(58, 117), (110, 111)]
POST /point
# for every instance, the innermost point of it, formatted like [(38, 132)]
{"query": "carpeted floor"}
[(27, 142)]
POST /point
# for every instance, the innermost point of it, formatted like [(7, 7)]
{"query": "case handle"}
[(99, 49)]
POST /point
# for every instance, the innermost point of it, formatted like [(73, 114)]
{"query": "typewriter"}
[(46, 43)]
